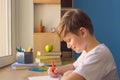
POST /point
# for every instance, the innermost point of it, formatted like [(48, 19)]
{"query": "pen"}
[(53, 66)]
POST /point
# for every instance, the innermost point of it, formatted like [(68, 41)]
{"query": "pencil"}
[(53, 67)]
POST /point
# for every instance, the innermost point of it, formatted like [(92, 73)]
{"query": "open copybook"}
[(42, 78)]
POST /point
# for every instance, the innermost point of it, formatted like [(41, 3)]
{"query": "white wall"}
[(24, 23)]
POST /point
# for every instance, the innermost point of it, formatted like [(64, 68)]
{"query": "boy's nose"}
[(68, 45)]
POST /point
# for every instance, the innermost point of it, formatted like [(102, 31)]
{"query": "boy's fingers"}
[(50, 72)]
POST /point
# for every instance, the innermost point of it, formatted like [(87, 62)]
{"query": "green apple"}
[(48, 48)]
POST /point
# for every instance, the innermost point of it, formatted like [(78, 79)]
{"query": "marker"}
[(53, 66), (21, 49), (17, 49)]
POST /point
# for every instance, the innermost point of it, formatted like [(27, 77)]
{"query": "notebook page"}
[(42, 78)]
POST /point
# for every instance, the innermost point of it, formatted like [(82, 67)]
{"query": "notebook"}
[(42, 78)]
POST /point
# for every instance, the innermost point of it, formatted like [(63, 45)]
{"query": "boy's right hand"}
[(52, 73)]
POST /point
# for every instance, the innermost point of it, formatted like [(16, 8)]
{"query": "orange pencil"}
[(53, 66)]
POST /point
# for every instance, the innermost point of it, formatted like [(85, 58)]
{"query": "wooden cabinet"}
[(47, 1), (42, 9), (45, 10)]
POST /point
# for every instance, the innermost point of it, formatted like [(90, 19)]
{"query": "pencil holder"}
[(24, 57)]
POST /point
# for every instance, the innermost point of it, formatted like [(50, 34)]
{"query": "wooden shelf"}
[(46, 1)]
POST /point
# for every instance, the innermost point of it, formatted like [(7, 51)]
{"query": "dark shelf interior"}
[(64, 47), (66, 3), (67, 54)]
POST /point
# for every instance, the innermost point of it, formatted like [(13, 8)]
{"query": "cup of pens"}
[(24, 57)]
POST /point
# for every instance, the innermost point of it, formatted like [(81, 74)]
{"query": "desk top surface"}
[(8, 73)]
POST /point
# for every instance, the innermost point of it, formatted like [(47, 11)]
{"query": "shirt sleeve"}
[(93, 67), (75, 64), (79, 60)]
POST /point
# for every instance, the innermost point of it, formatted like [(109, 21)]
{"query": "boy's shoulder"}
[(101, 48), (99, 51)]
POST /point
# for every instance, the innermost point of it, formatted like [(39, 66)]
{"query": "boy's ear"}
[(83, 31)]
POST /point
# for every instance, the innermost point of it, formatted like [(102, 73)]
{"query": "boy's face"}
[(75, 42)]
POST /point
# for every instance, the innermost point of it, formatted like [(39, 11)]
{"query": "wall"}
[(24, 23), (105, 15)]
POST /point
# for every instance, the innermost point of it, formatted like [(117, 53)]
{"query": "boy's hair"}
[(72, 20)]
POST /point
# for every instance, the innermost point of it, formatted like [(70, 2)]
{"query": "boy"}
[(95, 62)]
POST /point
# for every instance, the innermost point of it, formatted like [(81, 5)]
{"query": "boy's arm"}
[(70, 75), (63, 69)]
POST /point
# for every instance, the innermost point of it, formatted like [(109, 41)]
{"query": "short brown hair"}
[(72, 20)]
